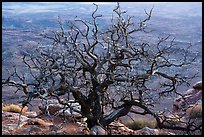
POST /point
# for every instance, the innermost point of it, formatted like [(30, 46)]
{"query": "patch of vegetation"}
[(14, 108), (139, 124)]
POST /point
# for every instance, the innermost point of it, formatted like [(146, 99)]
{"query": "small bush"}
[(14, 108), (139, 124)]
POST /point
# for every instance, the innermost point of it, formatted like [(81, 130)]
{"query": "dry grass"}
[(139, 124), (14, 108)]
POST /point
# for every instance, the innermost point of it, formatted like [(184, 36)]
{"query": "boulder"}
[(32, 130), (35, 121), (54, 108), (52, 133), (50, 109), (190, 97), (68, 113), (13, 117), (5, 132), (97, 130), (56, 133), (10, 122), (119, 128), (31, 114), (198, 85), (54, 128), (194, 111), (82, 123), (86, 131), (13, 125), (148, 131)]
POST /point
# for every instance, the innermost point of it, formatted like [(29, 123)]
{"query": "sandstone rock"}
[(35, 121), (119, 128), (97, 130), (68, 113), (60, 133), (56, 133), (52, 133), (33, 130), (86, 131), (173, 119), (165, 132), (190, 97), (82, 123), (54, 128), (7, 129), (12, 126), (194, 111), (170, 133), (51, 109), (149, 131), (13, 117), (31, 114), (10, 122), (54, 108), (5, 132), (198, 85), (199, 102)]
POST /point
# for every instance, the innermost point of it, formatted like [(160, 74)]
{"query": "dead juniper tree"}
[(105, 70)]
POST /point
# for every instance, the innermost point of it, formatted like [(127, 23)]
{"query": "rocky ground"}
[(45, 125), (39, 123)]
